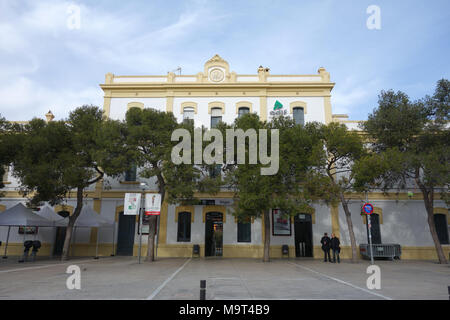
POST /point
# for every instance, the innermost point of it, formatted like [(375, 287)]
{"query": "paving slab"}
[(237, 279)]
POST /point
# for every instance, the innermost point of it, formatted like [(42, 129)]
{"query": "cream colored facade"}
[(402, 218)]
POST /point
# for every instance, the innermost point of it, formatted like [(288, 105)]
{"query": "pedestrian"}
[(325, 241), (334, 243)]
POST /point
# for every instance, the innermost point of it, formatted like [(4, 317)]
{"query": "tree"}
[(333, 177), (410, 141), (59, 156), (256, 194), (9, 145), (149, 137)]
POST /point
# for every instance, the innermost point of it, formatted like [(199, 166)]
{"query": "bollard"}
[(202, 289)]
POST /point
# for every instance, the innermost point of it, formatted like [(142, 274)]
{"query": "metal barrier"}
[(392, 251)]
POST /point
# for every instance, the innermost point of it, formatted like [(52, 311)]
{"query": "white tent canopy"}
[(48, 213), (87, 218), (19, 215)]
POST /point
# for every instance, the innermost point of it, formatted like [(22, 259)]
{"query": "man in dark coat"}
[(335, 247), (326, 245)]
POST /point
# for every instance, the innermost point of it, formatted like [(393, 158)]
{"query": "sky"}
[(50, 62)]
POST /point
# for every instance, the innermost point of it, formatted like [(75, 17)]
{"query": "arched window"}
[(188, 114), (299, 115), (440, 221), (130, 174), (244, 230), (242, 111), (216, 116), (184, 227)]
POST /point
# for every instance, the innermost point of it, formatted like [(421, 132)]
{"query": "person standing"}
[(326, 242), (334, 243)]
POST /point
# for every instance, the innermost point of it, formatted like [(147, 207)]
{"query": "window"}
[(188, 115), (216, 116), (242, 111), (375, 229), (63, 214), (440, 222), (299, 115), (184, 227), (244, 232), (130, 174), (215, 170)]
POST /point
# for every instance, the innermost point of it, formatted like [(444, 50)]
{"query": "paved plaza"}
[(178, 278)]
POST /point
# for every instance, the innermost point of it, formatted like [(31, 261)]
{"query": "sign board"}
[(278, 109), (152, 204), (367, 208), (224, 202), (132, 204)]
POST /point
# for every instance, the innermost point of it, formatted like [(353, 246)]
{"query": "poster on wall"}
[(281, 224), (132, 204), (28, 230), (152, 204)]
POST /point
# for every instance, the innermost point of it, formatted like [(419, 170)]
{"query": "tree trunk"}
[(152, 224), (429, 206), (72, 220), (348, 217), (266, 217), (151, 239)]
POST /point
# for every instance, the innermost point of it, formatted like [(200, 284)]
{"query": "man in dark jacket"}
[(326, 242), (335, 247)]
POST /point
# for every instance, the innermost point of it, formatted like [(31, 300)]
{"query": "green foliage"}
[(8, 145), (59, 156), (149, 138), (396, 122), (334, 162), (256, 193), (411, 141)]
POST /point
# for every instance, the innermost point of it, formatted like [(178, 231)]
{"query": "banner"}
[(132, 204), (152, 204)]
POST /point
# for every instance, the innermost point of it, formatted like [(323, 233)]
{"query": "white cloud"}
[(35, 38), (24, 98)]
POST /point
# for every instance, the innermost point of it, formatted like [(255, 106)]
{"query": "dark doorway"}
[(125, 235), (60, 236), (303, 235), (440, 221), (59, 240), (213, 234), (375, 229)]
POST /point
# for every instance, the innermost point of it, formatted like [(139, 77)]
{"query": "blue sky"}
[(45, 65)]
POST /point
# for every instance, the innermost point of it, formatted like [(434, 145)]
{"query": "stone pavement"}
[(178, 278)]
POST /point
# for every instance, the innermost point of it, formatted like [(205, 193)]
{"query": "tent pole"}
[(114, 235), (96, 245), (7, 240), (73, 240)]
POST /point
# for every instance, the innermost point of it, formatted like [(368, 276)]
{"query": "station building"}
[(218, 94)]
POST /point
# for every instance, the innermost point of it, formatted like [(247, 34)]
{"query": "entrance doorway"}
[(303, 235), (125, 235), (59, 241), (60, 236), (213, 234)]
